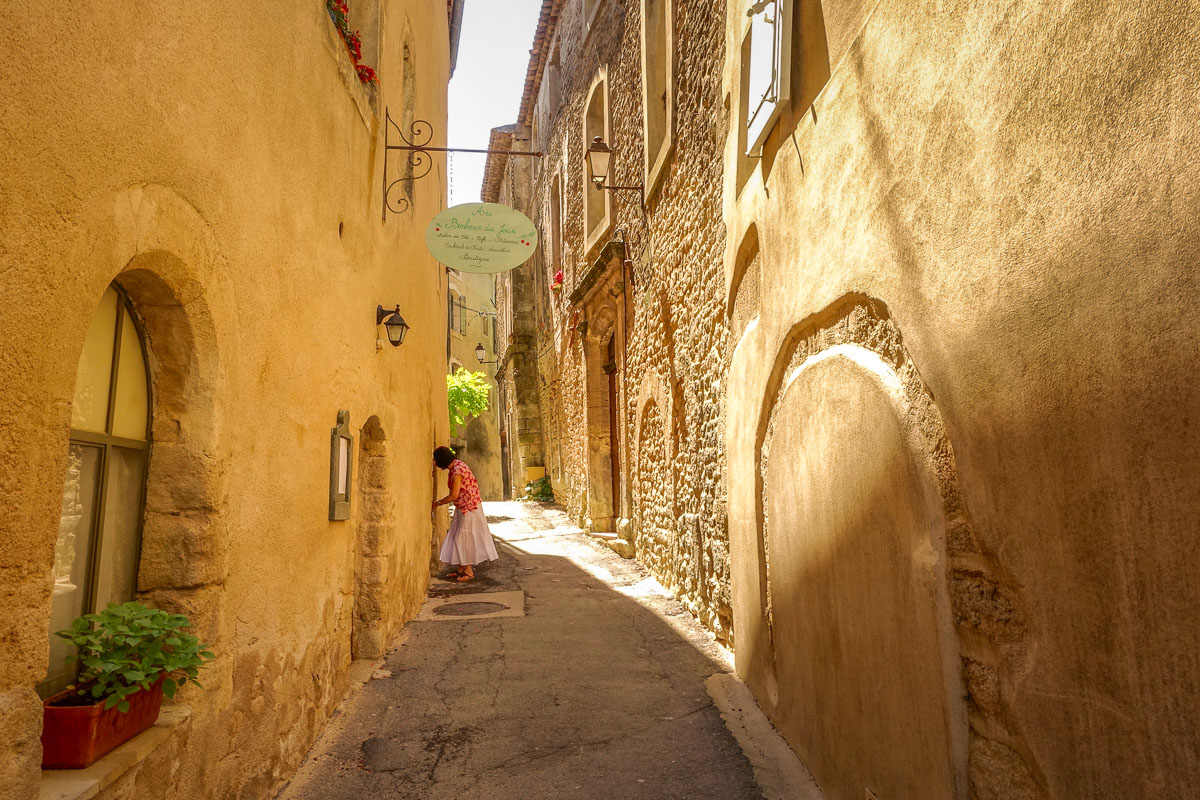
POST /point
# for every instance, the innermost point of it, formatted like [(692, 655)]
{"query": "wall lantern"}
[(394, 324), (599, 160), (480, 353)]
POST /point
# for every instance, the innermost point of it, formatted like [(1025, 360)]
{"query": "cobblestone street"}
[(591, 683)]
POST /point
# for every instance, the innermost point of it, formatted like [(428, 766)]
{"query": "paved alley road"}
[(596, 691)]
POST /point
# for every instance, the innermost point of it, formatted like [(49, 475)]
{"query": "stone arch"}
[(375, 542), (742, 305), (653, 452), (976, 618), (160, 250)]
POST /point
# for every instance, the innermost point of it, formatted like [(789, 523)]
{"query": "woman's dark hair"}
[(443, 457)]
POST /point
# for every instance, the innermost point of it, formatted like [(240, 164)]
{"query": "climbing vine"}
[(467, 396)]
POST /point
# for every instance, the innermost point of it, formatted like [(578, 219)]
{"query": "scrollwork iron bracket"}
[(419, 161)]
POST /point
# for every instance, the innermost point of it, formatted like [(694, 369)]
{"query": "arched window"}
[(595, 201), (99, 534)]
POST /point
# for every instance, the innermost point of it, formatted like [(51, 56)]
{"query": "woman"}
[(468, 542)]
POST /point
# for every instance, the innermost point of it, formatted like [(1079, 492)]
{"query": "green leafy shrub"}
[(467, 396), (539, 490), (127, 648)]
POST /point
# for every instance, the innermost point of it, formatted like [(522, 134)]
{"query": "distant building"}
[(193, 250), (471, 323)]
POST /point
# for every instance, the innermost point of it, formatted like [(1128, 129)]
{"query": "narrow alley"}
[(823, 372), (572, 674)]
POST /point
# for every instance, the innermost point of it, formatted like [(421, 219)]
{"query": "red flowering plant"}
[(558, 281), (339, 12)]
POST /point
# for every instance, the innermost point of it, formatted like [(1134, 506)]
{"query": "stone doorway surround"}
[(597, 296)]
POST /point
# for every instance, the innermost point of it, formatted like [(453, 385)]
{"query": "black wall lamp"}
[(480, 353), (599, 161), (393, 323)]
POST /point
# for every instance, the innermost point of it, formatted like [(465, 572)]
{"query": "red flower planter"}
[(73, 737)]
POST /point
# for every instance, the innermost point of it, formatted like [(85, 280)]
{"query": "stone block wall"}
[(669, 304)]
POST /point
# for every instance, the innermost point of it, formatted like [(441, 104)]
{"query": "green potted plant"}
[(129, 656)]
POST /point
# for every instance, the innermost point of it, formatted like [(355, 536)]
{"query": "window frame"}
[(593, 236), (779, 84), (588, 17), (656, 159)]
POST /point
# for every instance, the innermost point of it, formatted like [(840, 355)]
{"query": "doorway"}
[(614, 440)]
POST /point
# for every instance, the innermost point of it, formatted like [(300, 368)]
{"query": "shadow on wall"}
[(880, 607)]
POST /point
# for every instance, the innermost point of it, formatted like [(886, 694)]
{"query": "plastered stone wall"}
[(222, 164), (671, 310), (986, 207)]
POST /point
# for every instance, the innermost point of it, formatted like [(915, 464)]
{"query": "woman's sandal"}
[(465, 578), (451, 576)]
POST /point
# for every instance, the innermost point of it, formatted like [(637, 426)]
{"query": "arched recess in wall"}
[(159, 250), (743, 300), (653, 485), (408, 110), (881, 606), (597, 211), (376, 543)]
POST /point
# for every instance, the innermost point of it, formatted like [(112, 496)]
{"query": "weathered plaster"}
[(1011, 182), (172, 161)]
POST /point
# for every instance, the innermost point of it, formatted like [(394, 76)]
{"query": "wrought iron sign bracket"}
[(419, 162)]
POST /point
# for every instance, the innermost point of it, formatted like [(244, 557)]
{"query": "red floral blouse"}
[(468, 492)]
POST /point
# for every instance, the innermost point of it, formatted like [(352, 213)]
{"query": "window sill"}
[(81, 784), (365, 98)]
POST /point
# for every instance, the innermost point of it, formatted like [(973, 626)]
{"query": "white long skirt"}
[(469, 540)]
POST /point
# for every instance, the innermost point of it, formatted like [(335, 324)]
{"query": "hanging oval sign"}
[(481, 237)]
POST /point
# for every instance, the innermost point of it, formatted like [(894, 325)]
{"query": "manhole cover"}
[(468, 609)]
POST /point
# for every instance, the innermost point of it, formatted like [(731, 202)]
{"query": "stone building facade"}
[(624, 362), (509, 181), (893, 383), (192, 250)]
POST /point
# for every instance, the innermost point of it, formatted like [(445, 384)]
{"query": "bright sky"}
[(493, 53)]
